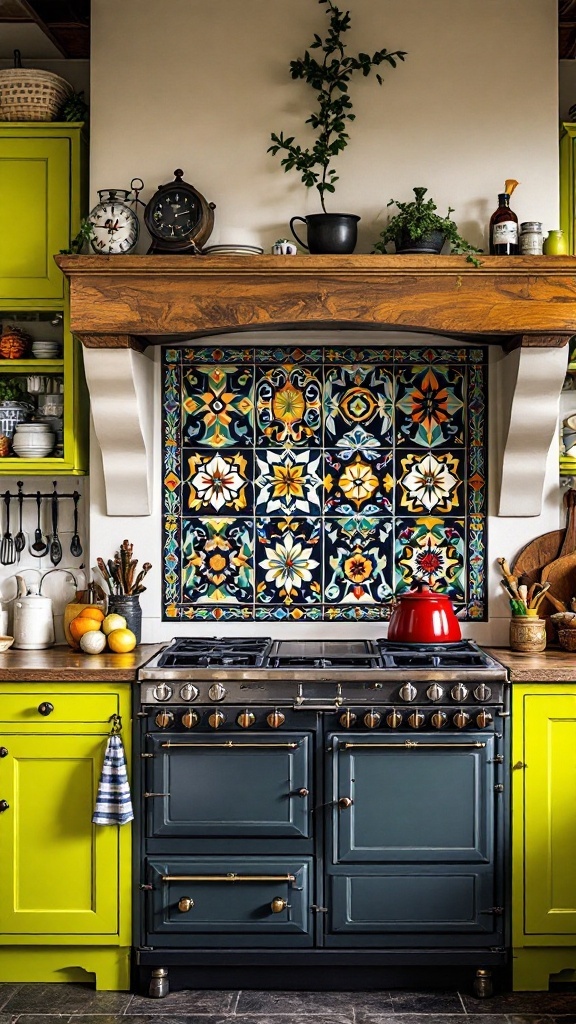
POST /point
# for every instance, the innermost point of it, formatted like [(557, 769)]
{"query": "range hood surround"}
[(121, 305)]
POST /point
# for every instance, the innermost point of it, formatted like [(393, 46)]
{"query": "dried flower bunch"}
[(120, 571)]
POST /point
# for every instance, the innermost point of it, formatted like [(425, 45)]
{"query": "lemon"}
[(93, 642), (121, 640), (113, 621)]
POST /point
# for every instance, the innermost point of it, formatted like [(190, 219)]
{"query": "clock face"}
[(175, 214), (115, 228)]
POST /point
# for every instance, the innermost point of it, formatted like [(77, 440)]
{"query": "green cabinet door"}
[(59, 872), (34, 215), (549, 814)]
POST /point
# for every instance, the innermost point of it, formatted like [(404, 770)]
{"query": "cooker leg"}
[(159, 984), (482, 986)]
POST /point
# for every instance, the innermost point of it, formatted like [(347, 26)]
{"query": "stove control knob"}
[(216, 719), (459, 692), (461, 719), (416, 719), (162, 692), (483, 719), (190, 719), (246, 718), (347, 719), (435, 692), (394, 719), (482, 692), (217, 692), (275, 719), (408, 692), (188, 691), (372, 719), (439, 719), (164, 719)]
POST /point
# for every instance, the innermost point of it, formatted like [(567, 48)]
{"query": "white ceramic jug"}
[(33, 620)]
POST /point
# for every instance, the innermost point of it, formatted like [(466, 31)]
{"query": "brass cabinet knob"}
[(164, 719), (185, 904), (345, 802), (190, 719), (303, 792), (438, 719), (461, 719), (416, 719), (275, 719), (347, 719), (216, 719), (278, 905), (483, 719), (372, 719), (246, 719)]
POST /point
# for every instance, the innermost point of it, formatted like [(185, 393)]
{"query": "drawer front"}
[(232, 901), (254, 785), (94, 709)]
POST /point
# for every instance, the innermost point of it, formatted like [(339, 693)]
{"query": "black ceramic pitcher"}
[(328, 232)]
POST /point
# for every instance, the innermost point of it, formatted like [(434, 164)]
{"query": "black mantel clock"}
[(178, 217)]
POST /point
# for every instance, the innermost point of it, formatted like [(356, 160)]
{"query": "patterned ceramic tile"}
[(312, 483)]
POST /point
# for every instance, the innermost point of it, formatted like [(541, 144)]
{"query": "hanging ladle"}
[(75, 545), (55, 545), (20, 538), (39, 547)]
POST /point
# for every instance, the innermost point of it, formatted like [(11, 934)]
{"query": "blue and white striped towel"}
[(113, 801)]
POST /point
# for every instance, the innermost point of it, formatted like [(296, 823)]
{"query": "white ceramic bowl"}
[(6, 642)]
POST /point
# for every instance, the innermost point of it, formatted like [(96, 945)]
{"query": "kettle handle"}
[(22, 589)]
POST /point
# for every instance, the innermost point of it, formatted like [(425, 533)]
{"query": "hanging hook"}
[(116, 727)]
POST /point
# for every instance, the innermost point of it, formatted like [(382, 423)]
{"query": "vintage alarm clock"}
[(115, 226), (178, 217)]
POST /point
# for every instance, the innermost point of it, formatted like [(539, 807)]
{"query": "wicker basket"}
[(567, 639), (28, 94)]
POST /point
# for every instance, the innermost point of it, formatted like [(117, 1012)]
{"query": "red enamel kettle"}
[(424, 617)]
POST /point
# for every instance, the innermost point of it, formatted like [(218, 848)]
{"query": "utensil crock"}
[(423, 616)]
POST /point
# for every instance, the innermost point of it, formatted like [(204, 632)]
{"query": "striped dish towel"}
[(113, 801)]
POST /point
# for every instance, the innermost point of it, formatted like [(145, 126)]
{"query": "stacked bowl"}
[(33, 440), (46, 349)]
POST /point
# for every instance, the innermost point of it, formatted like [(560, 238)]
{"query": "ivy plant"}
[(418, 218), (330, 77)]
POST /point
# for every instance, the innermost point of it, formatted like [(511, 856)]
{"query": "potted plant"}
[(330, 78), (417, 228)]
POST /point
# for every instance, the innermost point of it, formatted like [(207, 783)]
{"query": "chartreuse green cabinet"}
[(42, 199), (64, 882), (544, 833)]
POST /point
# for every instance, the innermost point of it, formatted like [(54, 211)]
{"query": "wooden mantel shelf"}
[(121, 305), (140, 300)]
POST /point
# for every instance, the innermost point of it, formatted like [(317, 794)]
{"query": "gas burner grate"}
[(464, 654), (339, 654), (235, 652)]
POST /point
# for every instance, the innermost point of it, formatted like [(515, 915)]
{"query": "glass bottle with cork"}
[(504, 224)]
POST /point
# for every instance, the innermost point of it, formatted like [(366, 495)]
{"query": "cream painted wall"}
[(201, 85)]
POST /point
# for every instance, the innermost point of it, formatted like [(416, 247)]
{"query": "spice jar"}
[(555, 243), (530, 241), (527, 634)]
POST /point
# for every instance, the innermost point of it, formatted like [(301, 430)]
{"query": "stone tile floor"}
[(81, 1004)]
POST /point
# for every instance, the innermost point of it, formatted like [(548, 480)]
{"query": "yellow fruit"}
[(91, 611), (113, 621), (81, 625), (93, 642), (121, 640)]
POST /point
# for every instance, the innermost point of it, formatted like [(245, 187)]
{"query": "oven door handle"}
[(228, 744), (229, 878), (413, 744)]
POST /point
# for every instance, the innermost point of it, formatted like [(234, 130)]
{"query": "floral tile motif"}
[(312, 483), (288, 407)]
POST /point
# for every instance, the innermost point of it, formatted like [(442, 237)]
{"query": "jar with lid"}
[(530, 241)]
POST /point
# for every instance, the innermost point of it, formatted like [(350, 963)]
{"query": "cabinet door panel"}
[(34, 216), (59, 871), (550, 814)]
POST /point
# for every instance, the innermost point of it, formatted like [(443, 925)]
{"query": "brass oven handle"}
[(278, 905), (345, 802), (411, 744), (185, 904), (229, 878), (229, 743)]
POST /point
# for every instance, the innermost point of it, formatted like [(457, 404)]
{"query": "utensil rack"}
[(20, 493)]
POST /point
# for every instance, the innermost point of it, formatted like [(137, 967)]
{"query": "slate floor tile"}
[(187, 1003), (436, 1001), (7, 990), (317, 1004), (519, 1003), (66, 999), (432, 1018)]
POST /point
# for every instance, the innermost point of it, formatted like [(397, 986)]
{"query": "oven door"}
[(412, 839), (228, 785)]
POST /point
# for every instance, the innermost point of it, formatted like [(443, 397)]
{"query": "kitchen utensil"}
[(548, 547), (39, 547), (33, 619), (424, 617), (75, 545), (55, 545), (7, 549), (561, 575), (20, 538)]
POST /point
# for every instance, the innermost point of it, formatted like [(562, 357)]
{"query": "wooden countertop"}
[(62, 664), (552, 666)]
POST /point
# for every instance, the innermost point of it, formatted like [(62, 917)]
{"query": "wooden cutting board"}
[(548, 548), (561, 572)]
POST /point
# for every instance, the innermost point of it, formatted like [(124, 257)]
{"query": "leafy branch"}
[(330, 78)]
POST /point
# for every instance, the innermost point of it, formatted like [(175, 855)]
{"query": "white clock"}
[(115, 226)]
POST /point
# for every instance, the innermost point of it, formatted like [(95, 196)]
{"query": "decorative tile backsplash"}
[(314, 483)]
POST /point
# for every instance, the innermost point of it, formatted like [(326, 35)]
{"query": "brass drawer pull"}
[(278, 905), (230, 743), (229, 878), (185, 904), (411, 744)]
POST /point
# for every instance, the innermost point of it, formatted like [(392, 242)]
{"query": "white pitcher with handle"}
[(33, 619)]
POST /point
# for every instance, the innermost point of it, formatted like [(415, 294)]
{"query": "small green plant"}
[(330, 78), (80, 240), (12, 389), (417, 219), (74, 108)]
